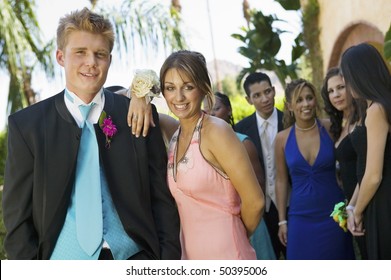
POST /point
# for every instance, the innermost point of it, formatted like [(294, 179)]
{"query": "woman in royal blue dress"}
[(306, 162)]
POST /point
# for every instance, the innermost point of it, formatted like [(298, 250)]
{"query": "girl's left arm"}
[(229, 154), (377, 132)]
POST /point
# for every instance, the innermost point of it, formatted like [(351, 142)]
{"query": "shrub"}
[(240, 107)]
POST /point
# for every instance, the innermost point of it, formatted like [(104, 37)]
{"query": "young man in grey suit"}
[(262, 127), (125, 210)]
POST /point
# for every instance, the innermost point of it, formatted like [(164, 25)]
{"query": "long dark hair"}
[(226, 102), (336, 116), (367, 75)]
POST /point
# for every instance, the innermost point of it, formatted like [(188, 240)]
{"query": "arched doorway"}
[(354, 34)]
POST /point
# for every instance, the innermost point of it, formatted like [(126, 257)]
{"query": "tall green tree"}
[(311, 31)]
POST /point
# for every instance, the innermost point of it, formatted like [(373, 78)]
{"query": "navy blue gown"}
[(312, 233)]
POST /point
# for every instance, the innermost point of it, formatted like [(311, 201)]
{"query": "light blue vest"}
[(121, 245)]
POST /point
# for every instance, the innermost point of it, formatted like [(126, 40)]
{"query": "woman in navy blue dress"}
[(306, 164)]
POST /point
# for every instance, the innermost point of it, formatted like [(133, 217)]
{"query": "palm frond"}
[(21, 47), (146, 23)]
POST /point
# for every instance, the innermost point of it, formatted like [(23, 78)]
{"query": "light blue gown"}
[(260, 240)]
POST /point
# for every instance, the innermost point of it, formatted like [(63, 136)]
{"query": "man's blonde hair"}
[(84, 20)]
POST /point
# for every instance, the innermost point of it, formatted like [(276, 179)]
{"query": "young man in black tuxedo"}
[(41, 198), (260, 93)]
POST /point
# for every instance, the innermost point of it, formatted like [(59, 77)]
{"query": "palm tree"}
[(21, 48), (149, 22)]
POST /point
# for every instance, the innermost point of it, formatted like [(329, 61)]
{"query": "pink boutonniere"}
[(108, 127)]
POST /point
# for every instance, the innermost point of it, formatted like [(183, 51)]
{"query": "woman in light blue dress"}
[(260, 239)]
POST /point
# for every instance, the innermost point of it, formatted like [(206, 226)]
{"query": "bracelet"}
[(350, 207), (284, 222)]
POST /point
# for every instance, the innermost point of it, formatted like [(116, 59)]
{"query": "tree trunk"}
[(246, 11), (176, 5), (28, 90)]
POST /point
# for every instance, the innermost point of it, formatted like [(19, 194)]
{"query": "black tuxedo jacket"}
[(248, 126), (40, 172)]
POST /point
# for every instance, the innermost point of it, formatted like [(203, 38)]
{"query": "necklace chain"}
[(306, 129), (344, 122)]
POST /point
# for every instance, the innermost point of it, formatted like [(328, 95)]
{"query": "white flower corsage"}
[(145, 84)]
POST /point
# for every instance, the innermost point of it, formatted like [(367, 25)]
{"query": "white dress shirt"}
[(268, 155), (73, 107)]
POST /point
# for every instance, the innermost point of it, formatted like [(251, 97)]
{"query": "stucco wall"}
[(363, 19)]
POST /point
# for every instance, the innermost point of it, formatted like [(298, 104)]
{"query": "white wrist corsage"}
[(145, 84)]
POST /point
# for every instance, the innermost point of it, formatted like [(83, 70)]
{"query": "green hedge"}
[(242, 109)]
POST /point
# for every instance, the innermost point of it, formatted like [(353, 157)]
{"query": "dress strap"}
[(197, 129), (174, 145)]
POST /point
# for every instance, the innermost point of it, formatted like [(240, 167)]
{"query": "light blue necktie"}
[(89, 223)]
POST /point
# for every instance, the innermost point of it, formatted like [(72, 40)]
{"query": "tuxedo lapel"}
[(254, 134), (60, 147), (109, 101), (122, 143), (62, 109), (108, 109)]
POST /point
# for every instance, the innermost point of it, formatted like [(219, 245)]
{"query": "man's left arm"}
[(21, 241)]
